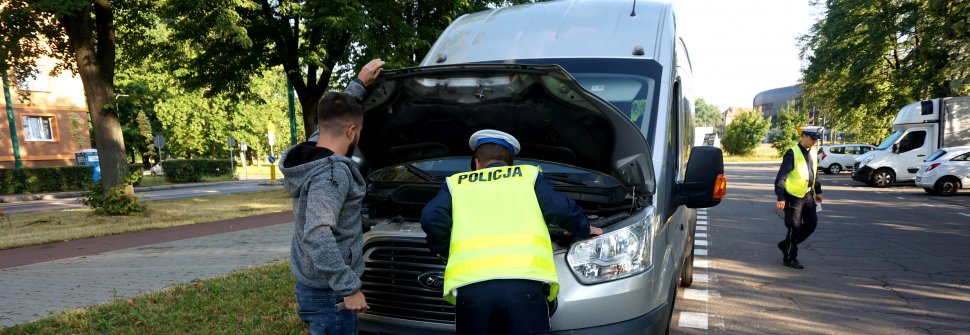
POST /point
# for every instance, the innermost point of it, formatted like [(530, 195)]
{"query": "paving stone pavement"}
[(36, 291)]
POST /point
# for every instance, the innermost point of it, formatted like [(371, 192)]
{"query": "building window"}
[(38, 128)]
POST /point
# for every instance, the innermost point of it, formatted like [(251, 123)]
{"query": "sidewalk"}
[(39, 281), (11, 198)]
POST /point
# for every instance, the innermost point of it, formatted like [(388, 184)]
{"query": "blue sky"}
[(741, 47)]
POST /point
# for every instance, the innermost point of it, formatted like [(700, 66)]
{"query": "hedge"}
[(40, 180), (192, 170)]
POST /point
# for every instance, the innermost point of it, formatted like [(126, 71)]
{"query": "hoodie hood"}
[(305, 160)]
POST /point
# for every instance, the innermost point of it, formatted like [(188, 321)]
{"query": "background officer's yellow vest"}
[(498, 231), (797, 182)]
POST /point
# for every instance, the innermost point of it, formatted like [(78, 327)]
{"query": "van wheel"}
[(687, 271), (834, 169), (947, 186), (883, 178), (931, 190)]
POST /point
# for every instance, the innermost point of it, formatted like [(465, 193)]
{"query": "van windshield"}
[(630, 85), (888, 143)]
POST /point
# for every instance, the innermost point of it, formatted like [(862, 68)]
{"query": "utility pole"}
[(289, 95), (18, 163)]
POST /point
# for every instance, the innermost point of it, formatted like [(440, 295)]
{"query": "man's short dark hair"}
[(491, 151), (338, 110)]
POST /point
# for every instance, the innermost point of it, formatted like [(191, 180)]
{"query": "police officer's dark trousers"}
[(801, 220), (502, 306)]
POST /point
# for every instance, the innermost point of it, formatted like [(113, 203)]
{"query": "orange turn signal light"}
[(720, 187)]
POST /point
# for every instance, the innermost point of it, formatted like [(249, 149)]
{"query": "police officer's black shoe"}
[(794, 264)]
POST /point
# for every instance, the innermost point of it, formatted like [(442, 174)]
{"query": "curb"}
[(75, 194)]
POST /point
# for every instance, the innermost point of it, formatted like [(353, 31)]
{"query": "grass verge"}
[(149, 181), (257, 300), (18, 230), (764, 153)]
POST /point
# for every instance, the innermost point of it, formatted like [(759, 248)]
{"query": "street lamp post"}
[(18, 163)]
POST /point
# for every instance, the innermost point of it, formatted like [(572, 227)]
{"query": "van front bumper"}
[(863, 174)]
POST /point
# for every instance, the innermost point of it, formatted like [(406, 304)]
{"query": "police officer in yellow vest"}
[(490, 224), (799, 192)]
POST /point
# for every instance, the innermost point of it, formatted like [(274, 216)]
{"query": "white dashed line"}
[(964, 214), (701, 228), (702, 217), (702, 264), (700, 252), (701, 223), (693, 320), (694, 294), (704, 278), (700, 242), (900, 198), (700, 235)]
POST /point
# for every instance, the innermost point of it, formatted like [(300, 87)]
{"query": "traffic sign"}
[(232, 141), (272, 160), (159, 141), (244, 147)]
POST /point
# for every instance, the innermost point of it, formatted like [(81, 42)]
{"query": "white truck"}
[(920, 128)]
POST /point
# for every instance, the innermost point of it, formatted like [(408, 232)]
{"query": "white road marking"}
[(700, 235), (693, 320), (964, 214), (702, 263), (701, 242), (700, 252), (701, 223), (694, 294), (701, 278), (900, 198), (702, 217), (701, 228)]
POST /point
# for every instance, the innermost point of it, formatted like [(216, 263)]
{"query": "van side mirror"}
[(704, 185), (896, 148)]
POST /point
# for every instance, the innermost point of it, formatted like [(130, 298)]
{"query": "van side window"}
[(863, 150), (671, 164), (852, 150), (912, 140), (838, 150)]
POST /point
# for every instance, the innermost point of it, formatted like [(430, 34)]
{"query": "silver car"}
[(833, 159)]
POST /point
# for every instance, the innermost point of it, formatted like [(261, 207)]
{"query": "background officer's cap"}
[(494, 136), (812, 131)]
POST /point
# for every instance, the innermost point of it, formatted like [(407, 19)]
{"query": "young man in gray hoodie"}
[(327, 187)]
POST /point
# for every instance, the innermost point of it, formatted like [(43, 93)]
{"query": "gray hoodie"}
[(327, 191)]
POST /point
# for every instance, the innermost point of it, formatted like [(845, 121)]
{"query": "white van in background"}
[(920, 128)]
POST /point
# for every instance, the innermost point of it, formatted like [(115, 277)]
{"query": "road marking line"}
[(900, 198), (700, 252), (701, 278), (702, 263), (702, 228), (701, 242), (701, 223), (964, 214), (702, 217), (700, 235), (693, 320), (694, 294)]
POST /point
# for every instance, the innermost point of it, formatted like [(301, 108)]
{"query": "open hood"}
[(430, 112)]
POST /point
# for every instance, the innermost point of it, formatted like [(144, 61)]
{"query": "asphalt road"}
[(155, 195), (882, 261)]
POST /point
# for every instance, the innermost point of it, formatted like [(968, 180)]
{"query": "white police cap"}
[(812, 131), (494, 136)]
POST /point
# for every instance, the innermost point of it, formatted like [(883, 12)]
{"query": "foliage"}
[(192, 170), (868, 58), (709, 115), (40, 180), (745, 133), (787, 127), (221, 45), (77, 125), (114, 200)]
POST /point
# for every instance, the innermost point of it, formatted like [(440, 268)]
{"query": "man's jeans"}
[(318, 309)]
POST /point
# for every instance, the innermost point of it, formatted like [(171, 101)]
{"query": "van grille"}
[(390, 282)]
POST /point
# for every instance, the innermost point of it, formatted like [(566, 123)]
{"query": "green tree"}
[(221, 45), (745, 133), (709, 115), (787, 127), (868, 58), (81, 35)]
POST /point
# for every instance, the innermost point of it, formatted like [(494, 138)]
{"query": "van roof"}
[(556, 29)]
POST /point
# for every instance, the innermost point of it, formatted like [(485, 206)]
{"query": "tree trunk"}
[(95, 66)]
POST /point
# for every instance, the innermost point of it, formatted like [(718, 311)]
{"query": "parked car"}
[(605, 107), (945, 171), (837, 158)]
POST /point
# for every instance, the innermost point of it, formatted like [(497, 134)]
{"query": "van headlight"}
[(617, 254), (865, 161)]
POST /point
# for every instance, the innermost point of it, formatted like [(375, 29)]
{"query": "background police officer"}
[(799, 192), (491, 225)]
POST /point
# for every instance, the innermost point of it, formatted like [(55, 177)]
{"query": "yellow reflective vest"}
[(498, 231), (797, 182)]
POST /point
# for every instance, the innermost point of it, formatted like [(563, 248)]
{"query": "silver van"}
[(598, 95)]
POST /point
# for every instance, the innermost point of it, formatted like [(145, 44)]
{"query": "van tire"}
[(835, 168), (947, 186), (883, 178), (687, 271)]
